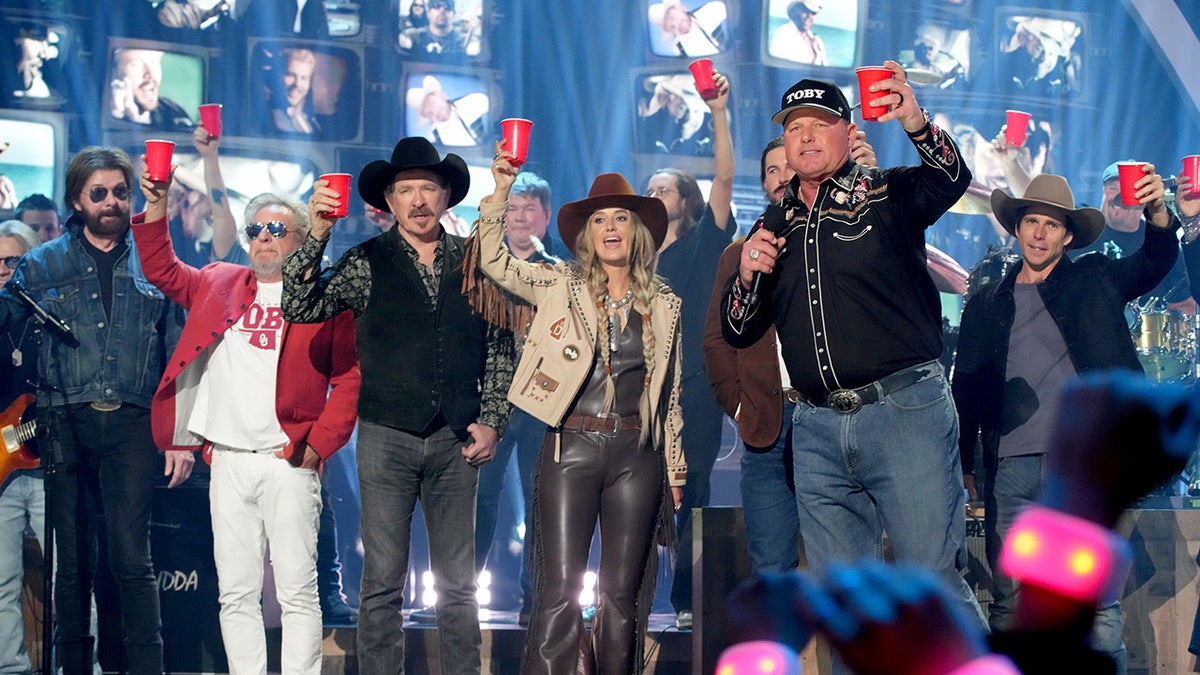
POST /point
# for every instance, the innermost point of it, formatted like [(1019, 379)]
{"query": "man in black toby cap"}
[(433, 396), (839, 268)]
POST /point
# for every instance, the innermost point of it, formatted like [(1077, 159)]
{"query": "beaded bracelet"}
[(925, 128), (1066, 554)]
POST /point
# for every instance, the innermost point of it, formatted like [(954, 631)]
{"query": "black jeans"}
[(106, 465)]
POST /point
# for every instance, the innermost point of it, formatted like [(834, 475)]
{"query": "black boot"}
[(334, 610)]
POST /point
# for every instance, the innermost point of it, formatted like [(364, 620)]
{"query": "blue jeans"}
[(524, 434), (1012, 484), (107, 464), (22, 503), (395, 469), (701, 439), (893, 466), (769, 503)]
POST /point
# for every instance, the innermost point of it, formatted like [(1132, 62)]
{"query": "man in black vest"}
[(433, 396)]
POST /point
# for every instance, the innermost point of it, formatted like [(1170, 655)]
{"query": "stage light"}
[(428, 595), (587, 597), (483, 588)]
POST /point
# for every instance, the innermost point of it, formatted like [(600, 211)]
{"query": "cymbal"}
[(948, 276), (976, 201), (923, 76)]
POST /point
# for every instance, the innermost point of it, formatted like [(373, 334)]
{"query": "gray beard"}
[(270, 269)]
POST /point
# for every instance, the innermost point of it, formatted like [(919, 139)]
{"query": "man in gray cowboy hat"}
[(433, 396), (1024, 335)]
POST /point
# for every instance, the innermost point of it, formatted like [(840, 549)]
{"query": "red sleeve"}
[(335, 424), (160, 264)]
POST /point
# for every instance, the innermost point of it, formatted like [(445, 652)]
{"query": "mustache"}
[(420, 212)]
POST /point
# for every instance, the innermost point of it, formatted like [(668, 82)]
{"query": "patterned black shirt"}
[(347, 285)]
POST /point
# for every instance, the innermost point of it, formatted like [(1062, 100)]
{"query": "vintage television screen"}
[(689, 28), (188, 16), (451, 32), (33, 149), (305, 90), (365, 221), (967, 230), (812, 33), (938, 55), (35, 51), (155, 85), (670, 116), (317, 20), (1040, 53), (247, 173), (451, 108)]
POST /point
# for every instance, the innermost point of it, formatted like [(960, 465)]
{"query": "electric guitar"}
[(16, 433)]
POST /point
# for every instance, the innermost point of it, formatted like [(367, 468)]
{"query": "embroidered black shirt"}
[(851, 297)]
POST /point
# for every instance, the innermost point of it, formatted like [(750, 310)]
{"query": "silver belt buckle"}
[(845, 401), (616, 421), (106, 404)]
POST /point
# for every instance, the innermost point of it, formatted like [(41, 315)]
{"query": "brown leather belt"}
[(602, 424)]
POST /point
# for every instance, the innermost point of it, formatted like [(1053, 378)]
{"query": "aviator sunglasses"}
[(100, 193), (275, 227)]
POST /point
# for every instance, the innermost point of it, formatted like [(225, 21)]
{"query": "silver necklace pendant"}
[(17, 357), (618, 304)]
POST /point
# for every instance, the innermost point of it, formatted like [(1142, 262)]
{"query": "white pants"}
[(258, 499)]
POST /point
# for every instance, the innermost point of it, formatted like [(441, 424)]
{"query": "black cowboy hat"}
[(412, 153)]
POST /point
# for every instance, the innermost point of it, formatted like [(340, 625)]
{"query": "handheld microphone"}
[(541, 249), (772, 221), (40, 314)]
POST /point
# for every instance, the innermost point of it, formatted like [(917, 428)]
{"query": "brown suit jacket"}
[(747, 377)]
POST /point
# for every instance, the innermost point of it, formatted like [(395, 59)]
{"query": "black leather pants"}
[(605, 477)]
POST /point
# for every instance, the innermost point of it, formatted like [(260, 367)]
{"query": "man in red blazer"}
[(270, 400)]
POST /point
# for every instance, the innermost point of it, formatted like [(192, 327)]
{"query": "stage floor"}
[(667, 652)]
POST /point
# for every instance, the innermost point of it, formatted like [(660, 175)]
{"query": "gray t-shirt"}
[(1038, 366)]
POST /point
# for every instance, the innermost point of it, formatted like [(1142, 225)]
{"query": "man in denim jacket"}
[(99, 363)]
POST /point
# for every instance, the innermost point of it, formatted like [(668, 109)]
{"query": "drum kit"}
[(1165, 340)]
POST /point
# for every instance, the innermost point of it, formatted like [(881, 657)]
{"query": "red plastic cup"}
[(867, 76), (1017, 129), (702, 73), (1129, 173), (516, 138), (158, 159), (339, 183), (210, 119), (1191, 169)]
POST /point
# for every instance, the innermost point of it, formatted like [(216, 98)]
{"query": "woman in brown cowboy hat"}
[(601, 367)]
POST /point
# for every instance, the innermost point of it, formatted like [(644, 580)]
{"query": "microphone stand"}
[(51, 457)]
